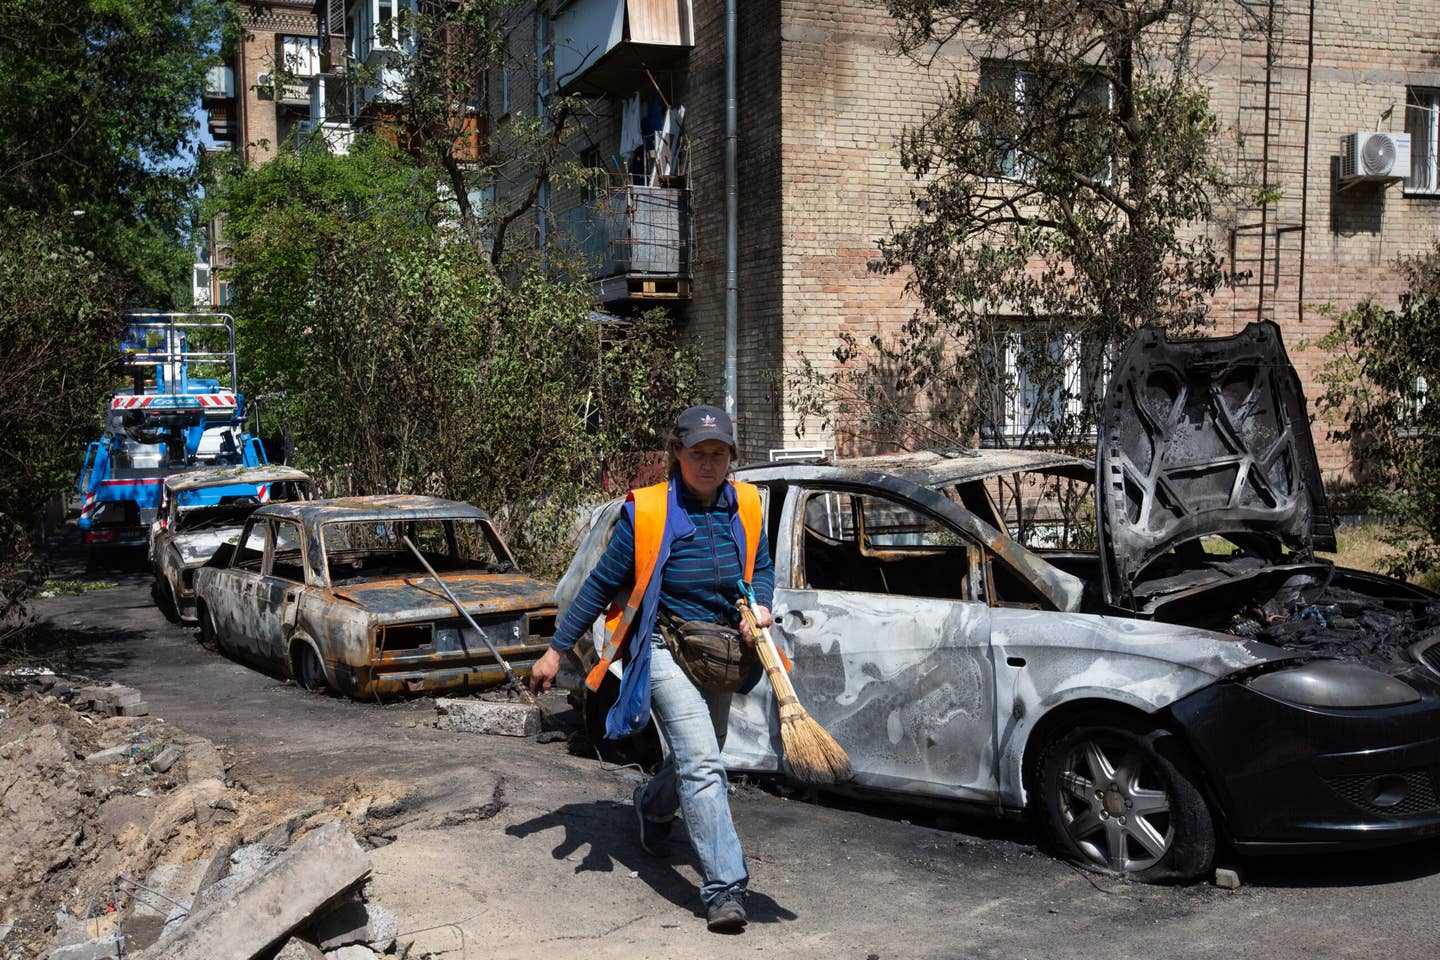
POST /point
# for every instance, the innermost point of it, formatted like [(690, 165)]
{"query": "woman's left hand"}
[(762, 617)]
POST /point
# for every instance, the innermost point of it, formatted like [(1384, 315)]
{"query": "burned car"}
[(202, 509), (1186, 674), (329, 593)]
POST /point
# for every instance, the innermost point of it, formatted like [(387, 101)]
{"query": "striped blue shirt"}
[(697, 581)]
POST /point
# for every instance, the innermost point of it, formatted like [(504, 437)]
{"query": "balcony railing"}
[(639, 238)]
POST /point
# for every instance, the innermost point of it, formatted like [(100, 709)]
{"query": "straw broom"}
[(813, 754)]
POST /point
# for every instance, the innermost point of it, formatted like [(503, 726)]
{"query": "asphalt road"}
[(557, 873)]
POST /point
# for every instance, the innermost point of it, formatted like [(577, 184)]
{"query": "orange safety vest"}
[(651, 504)]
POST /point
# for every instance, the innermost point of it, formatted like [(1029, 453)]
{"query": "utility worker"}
[(696, 534)]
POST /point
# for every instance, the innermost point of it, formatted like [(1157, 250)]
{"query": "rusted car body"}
[(202, 509), (1190, 676), (326, 592)]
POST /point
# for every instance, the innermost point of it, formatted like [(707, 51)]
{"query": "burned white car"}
[(331, 593), (1194, 676), (202, 509)]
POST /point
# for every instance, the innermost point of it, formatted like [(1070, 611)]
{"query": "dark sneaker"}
[(726, 915), (654, 834)]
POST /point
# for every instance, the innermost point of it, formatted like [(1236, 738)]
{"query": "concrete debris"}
[(506, 718), (117, 818), (165, 759), (203, 761), (1227, 878), (355, 921), (268, 906), (90, 950), (352, 952), (296, 949)]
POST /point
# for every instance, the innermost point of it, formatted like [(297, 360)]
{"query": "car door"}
[(277, 590), (233, 600), (878, 605)]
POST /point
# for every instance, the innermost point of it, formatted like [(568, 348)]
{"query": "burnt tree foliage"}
[(1060, 196)]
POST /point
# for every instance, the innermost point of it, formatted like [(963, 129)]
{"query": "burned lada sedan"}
[(330, 593), (202, 509), (1163, 669)]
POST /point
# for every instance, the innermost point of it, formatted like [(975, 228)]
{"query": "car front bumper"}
[(1289, 778)]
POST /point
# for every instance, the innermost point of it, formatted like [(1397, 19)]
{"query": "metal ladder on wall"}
[(1267, 241)]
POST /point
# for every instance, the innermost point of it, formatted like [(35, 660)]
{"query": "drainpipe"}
[(732, 217)]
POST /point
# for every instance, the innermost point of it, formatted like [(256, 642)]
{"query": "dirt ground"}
[(515, 849)]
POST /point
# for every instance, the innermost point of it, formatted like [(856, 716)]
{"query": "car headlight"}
[(1336, 684)]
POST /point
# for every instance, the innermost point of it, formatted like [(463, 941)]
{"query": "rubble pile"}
[(125, 838)]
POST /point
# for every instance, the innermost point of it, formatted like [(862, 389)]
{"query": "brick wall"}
[(263, 124)]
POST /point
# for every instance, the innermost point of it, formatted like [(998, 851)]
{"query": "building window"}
[(1013, 82), (1422, 122), (300, 56), (1050, 378), (505, 76)]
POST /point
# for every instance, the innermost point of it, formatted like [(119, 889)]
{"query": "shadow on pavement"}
[(607, 828), (1350, 869)]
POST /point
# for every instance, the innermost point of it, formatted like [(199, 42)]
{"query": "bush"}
[(1377, 384)]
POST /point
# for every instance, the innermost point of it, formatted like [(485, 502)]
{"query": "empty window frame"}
[(862, 543), (1422, 122)]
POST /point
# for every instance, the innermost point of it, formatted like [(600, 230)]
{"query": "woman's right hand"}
[(542, 674)]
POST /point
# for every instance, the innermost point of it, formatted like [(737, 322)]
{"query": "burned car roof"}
[(385, 507), (226, 476), (928, 468)]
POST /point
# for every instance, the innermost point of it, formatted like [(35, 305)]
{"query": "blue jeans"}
[(692, 779)]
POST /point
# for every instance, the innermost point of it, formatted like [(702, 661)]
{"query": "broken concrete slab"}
[(216, 869), (355, 921), (296, 949), (353, 952), (165, 759), (203, 761), (89, 950), (505, 718), (266, 907)]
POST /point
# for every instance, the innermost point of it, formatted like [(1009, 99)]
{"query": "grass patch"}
[(1359, 545), (72, 588)]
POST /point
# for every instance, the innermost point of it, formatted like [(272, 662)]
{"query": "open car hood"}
[(1204, 436)]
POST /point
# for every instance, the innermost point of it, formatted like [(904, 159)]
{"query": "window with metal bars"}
[(1422, 122)]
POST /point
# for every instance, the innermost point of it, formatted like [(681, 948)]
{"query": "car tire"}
[(309, 671), (1123, 797)]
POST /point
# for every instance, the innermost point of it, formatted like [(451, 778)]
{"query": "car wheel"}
[(309, 671), (1124, 798)]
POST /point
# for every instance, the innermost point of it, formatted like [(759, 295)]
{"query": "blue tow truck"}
[(181, 410)]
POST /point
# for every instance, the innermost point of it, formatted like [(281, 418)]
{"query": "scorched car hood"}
[(1204, 436)]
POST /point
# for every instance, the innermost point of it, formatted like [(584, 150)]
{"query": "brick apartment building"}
[(821, 100)]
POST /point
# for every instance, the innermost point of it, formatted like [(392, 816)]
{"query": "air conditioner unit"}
[(1374, 156)]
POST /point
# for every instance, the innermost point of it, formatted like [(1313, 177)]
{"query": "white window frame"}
[(1021, 78), (300, 56), (1082, 385), (1422, 122)]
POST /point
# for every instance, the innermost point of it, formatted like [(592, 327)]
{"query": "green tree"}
[(1058, 202), (95, 116), (1379, 386), (410, 366), (59, 322)]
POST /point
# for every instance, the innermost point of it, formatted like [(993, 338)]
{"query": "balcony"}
[(602, 46), (219, 84), (294, 93), (638, 243)]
